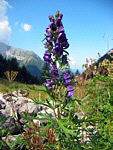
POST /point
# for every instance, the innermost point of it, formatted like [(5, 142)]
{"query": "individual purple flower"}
[(65, 43), (48, 83), (0, 113), (61, 29), (48, 35), (66, 78), (58, 50), (51, 18), (70, 91), (53, 27), (60, 16), (64, 60), (54, 72), (58, 23), (0, 106), (47, 56), (68, 99), (61, 36)]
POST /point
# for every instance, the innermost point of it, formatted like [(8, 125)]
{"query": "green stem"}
[(59, 145), (59, 116)]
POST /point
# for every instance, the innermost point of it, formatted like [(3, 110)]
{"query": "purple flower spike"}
[(54, 72), (48, 83), (66, 78), (70, 91), (47, 56)]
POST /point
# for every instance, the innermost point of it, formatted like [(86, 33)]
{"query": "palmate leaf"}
[(67, 131)]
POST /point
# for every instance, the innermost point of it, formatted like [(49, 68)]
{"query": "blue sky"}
[(23, 23)]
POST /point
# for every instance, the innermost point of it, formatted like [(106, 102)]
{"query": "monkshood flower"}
[(51, 18), (70, 91), (48, 35), (53, 27), (48, 83), (60, 16), (0, 113), (68, 99), (62, 39), (58, 23), (66, 78), (54, 72), (58, 50), (47, 57)]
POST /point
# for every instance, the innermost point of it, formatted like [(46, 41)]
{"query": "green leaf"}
[(66, 52), (66, 131), (85, 98)]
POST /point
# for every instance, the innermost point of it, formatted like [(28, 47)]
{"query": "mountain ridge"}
[(24, 57)]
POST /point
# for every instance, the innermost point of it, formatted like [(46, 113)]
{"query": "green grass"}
[(7, 87)]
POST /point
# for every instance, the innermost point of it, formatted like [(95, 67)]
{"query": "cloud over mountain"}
[(5, 29)]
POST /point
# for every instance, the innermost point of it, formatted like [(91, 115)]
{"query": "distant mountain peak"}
[(24, 57)]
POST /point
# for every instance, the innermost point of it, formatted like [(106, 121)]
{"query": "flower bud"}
[(57, 14), (51, 18)]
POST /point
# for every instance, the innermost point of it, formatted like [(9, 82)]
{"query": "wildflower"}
[(48, 35), (0, 113), (47, 56), (58, 23), (70, 91), (51, 18), (58, 50), (54, 72), (60, 16), (48, 83), (53, 27), (68, 99), (62, 39), (66, 78)]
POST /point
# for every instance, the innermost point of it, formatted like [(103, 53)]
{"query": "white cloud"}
[(26, 27), (71, 60), (5, 30)]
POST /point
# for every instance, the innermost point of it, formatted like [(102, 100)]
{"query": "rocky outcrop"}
[(12, 107)]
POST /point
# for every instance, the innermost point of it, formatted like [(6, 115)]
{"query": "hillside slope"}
[(32, 61)]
